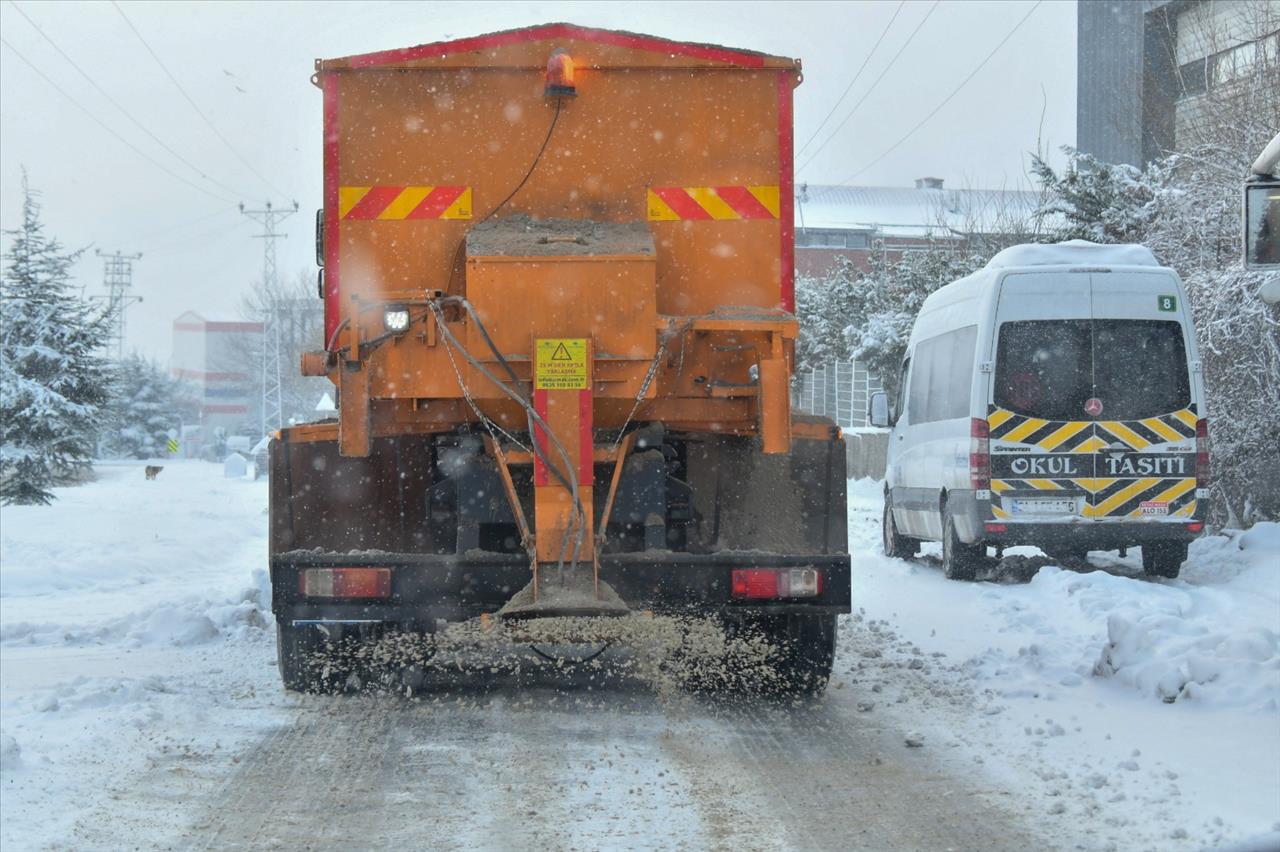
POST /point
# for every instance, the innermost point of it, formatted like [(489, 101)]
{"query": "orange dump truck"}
[(558, 290)]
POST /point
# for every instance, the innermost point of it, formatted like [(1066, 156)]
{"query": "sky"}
[(249, 124)]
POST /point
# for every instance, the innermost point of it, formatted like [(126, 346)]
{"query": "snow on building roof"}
[(1074, 253), (927, 210)]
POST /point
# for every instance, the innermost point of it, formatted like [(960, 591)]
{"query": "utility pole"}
[(117, 278), (272, 403)]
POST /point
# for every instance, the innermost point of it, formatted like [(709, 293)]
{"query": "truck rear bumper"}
[(426, 588)]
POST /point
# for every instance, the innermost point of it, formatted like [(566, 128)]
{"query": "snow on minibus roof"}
[(1074, 253)]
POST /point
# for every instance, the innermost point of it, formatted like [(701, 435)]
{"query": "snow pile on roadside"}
[(1201, 643), (134, 631), (1056, 685), (177, 560)]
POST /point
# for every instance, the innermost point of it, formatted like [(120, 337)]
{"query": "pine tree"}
[(53, 381), (144, 407)]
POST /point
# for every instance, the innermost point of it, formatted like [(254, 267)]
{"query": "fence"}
[(839, 390)]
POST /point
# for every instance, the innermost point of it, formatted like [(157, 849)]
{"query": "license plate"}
[(1154, 508), (1043, 506)]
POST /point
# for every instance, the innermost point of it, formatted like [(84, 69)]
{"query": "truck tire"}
[(895, 546), (297, 651), (960, 561), (805, 646), (1163, 559)]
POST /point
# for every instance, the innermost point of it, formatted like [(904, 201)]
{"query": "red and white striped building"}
[(209, 358)]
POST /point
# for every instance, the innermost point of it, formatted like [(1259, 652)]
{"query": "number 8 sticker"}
[(1167, 303)]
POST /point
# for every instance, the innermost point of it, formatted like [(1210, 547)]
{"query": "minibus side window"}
[(918, 396), (942, 376), (901, 401)]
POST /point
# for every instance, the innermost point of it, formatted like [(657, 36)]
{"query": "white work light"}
[(396, 319)]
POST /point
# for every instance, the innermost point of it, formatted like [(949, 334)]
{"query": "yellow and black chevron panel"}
[(1086, 436), (1102, 459), (1114, 498), (1140, 434), (1054, 436)]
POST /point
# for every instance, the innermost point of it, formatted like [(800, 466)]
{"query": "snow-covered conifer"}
[(143, 409), (53, 380)]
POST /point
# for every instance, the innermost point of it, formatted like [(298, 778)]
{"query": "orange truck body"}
[(422, 143), (614, 212)]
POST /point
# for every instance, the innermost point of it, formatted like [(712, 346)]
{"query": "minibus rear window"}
[(1051, 368)]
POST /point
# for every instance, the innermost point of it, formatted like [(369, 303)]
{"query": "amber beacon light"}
[(560, 75)]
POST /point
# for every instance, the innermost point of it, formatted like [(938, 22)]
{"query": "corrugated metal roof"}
[(895, 211)]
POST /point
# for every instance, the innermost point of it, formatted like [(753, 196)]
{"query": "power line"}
[(105, 127), (874, 83), (856, 75), (205, 237), (948, 98), (178, 226), (199, 112), (117, 105)]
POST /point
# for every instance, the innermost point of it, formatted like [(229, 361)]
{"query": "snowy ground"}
[(1088, 708), (1129, 713), (131, 637)]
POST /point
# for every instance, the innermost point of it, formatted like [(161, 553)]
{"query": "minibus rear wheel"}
[(895, 546), (1164, 558)]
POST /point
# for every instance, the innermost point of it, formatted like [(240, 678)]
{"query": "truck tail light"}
[(773, 583), (979, 454), (345, 582), (1202, 453)]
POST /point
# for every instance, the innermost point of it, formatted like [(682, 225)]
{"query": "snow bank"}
[(1193, 641), (134, 629), (1129, 713)]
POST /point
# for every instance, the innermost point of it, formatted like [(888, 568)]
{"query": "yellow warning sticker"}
[(561, 364)]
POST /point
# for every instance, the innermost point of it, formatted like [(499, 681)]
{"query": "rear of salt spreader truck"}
[(558, 291)]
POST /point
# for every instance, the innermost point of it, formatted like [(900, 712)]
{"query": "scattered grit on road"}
[(553, 767)]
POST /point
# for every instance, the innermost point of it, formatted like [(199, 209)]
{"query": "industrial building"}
[(209, 358), (1149, 69), (848, 221)]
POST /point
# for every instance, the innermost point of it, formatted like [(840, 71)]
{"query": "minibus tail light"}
[(979, 454), (1202, 453)]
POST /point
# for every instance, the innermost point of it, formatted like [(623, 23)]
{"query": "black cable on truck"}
[(457, 252), (579, 519)]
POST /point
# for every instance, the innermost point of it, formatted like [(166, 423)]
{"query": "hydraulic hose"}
[(579, 521)]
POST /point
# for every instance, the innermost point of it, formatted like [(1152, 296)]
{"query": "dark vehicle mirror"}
[(1262, 224), (879, 413), (320, 237)]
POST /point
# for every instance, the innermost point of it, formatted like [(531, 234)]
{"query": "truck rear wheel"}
[(895, 546), (960, 561), (299, 653), (1163, 559), (805, 648)]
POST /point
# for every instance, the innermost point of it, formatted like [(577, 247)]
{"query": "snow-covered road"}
[(140, 706)]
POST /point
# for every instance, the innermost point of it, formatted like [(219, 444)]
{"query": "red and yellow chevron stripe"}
[(676, 203), (404, 202)]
